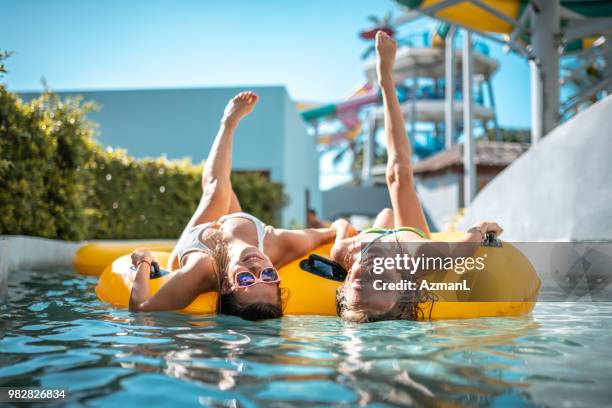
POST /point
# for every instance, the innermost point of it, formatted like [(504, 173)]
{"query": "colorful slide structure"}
[(365, 94), (508, 17), (542, 32), (480, 17), (497, 16), (471, 15), (347, 112)]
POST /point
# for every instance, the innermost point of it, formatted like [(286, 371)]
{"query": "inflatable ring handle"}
[(155, 271), (491, 240)]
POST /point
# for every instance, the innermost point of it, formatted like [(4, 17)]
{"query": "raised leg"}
[(218, 198), (384, 219), (406, 206), (234, 204)]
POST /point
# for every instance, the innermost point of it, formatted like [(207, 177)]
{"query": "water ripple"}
[(56, 333)]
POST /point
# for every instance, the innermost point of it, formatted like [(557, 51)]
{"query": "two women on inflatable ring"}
[(225, 250)]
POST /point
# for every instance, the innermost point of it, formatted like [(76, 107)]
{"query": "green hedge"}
[(57, 182)]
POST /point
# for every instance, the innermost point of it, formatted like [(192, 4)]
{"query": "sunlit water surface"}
[(56, 333)]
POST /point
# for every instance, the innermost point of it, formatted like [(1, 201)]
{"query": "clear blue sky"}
[(311, 46)]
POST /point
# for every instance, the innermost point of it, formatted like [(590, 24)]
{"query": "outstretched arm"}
[(407, 209), (344, 229), (186, 284), (297, 243), (465, 247)]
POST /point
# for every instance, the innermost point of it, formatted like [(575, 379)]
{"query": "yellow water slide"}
[(471, 15)]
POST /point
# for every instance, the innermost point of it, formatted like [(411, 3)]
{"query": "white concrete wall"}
[(31, 253), (35, 253), (183, 123), (561, 189), (300, 167)]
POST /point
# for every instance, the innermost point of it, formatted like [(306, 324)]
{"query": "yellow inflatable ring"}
[(91, 259), (509, 275)]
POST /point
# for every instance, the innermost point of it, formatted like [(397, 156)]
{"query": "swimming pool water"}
[(56, 333)]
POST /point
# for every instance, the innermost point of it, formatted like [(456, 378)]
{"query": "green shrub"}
[(43, 150), (57, 182)]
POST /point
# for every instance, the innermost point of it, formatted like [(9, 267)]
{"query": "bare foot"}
[(385, 56), (239, 106)]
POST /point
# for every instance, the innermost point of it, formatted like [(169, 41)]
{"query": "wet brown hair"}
[(228, 301), (408, 306)]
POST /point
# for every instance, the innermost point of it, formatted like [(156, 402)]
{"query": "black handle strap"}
[(323, 267), (490, 240), (155, 270)]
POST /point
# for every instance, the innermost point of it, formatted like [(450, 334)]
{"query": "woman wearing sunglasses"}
[(223, 249), (357, 300)]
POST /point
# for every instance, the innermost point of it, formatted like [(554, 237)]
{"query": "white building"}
[(183, 122)]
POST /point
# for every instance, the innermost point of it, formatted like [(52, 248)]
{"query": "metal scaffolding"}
[(469, 167), (536, 33), (449, 83)]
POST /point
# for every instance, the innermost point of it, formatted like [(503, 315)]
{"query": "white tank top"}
[(191, 240)]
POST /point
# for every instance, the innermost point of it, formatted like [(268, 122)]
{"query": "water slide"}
[(477, 17), (471, 15), (347, 112), (561, 189), (364, 95)]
